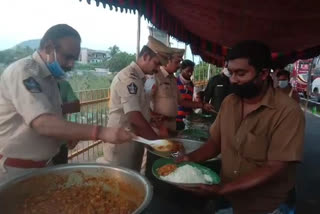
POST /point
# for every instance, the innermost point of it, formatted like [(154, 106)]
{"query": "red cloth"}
[(211, 26)]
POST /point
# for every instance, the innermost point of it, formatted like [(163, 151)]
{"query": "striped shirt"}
[(186, 91)]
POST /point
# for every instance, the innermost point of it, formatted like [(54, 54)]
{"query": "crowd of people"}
[(258, 130)]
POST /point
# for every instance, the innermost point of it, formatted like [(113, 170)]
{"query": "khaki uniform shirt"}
[(27, 90), (127, 95), (166, 97), (273, 132)]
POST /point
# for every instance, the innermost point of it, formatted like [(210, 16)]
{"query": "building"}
[(92, 56), (159, 35)]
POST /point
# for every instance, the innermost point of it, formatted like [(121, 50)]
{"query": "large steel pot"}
[(13, 193)]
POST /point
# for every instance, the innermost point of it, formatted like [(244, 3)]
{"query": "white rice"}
[(188, 174)]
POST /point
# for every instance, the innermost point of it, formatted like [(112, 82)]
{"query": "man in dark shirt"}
[(217, 89)]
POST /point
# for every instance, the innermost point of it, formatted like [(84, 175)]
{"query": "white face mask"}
[(226, 72), (283, 83)]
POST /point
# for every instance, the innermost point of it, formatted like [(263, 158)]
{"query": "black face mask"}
[(247, 90)]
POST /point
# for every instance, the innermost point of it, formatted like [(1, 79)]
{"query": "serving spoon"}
[(161, 145)]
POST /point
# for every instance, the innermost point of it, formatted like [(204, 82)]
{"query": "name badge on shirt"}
[(32, 85), (219, 85)]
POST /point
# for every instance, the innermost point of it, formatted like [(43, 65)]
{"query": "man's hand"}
[(204, 190), (140, 126), (163, 131), (157, 122), (208, 107), (54, 126), (115, 135), (182, 158), (157, 119)]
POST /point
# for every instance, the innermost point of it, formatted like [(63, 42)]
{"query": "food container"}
[(199, 121), (162, 162), (194, 134), (189, 146), (137, 187)]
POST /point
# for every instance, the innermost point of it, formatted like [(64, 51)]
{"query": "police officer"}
[(129, 105), (31, 122), (165, 93)]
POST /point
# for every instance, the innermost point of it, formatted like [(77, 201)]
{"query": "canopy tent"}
[(289, 27)]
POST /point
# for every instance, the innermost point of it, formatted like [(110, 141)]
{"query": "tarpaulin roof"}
[(289, 27)]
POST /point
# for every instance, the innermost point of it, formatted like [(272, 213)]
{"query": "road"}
[(308, 174)]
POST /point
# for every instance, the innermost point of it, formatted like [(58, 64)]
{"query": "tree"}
[(119, 61), (113, 51), (201, 71), (87, 67), (89, 81), (11, 55), (289, 67)]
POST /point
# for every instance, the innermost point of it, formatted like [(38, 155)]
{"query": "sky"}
[(99, 27)]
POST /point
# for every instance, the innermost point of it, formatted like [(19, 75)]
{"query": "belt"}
[(163, 117), (20, 163), (166, 118)]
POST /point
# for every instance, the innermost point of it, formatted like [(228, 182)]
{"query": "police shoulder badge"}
[(32, 85), (132, 88)]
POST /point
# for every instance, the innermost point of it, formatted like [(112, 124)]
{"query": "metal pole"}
[(308, 85), (202, 71), (204, 74), (138, 34), (208, 74)]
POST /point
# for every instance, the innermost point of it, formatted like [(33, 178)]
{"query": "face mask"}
[(247, 90), (226, 72), (55, 68), (283, 83)]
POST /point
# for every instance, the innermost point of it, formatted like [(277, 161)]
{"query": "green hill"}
[(33, 44)]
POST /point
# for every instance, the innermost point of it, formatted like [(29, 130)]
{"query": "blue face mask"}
[(55, 68), (283, 83)]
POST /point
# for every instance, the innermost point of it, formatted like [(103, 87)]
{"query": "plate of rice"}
[(184, 174)]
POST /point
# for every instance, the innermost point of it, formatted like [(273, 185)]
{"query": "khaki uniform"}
[(127, 95), (27, 90), (273, 132), (166, 97)]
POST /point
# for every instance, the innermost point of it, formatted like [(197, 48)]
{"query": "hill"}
[(33, 44)]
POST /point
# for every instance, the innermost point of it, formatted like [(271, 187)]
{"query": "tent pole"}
[(138, 34), (308, 86), (208, 73)]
